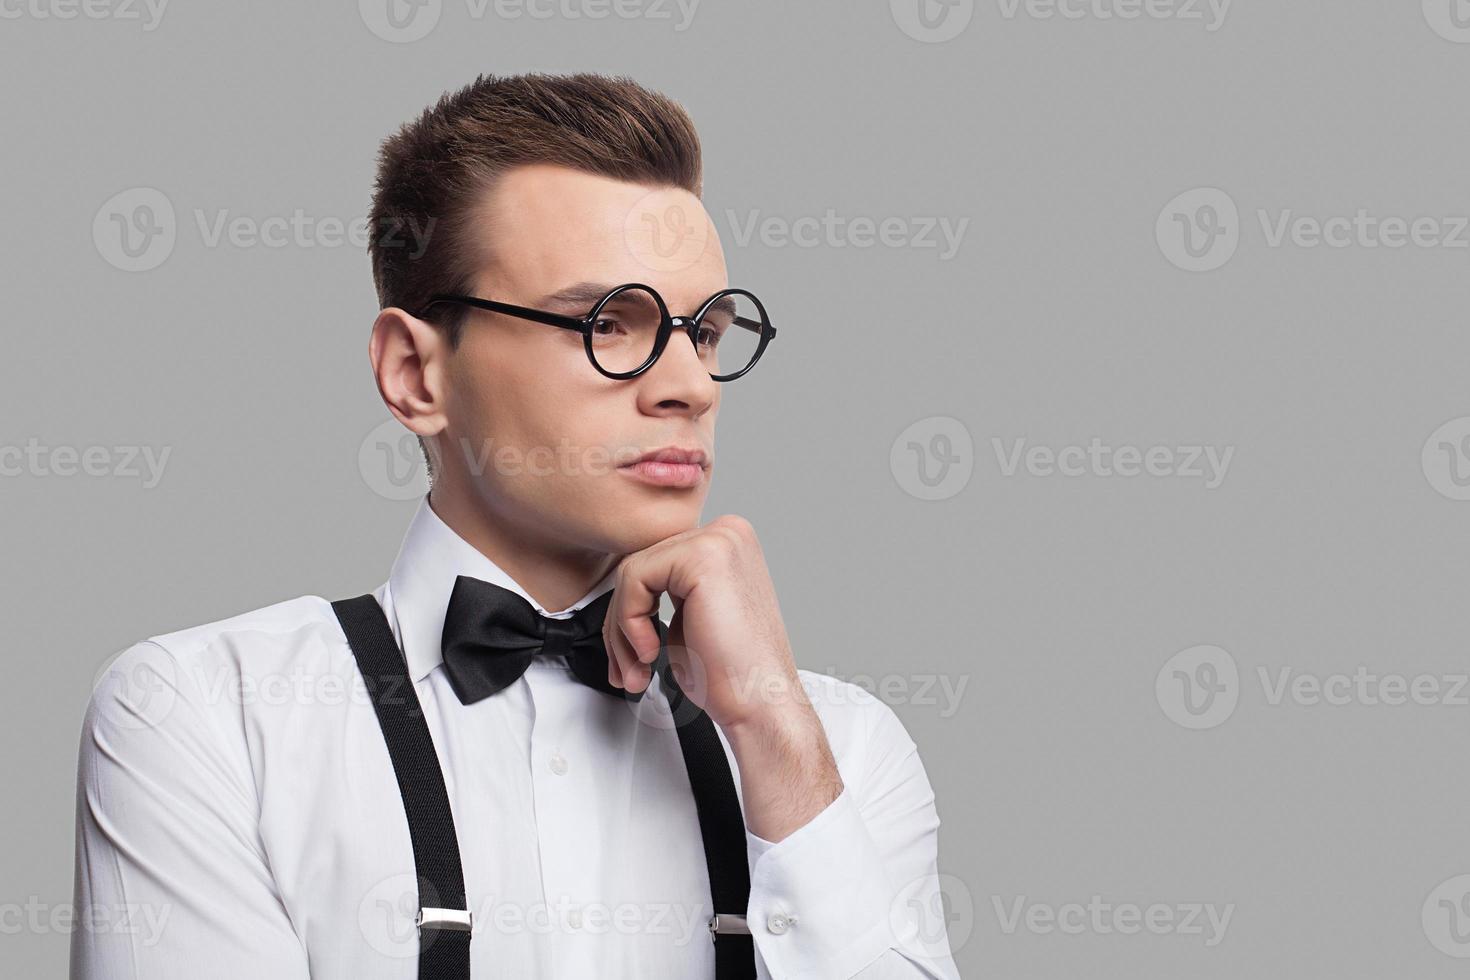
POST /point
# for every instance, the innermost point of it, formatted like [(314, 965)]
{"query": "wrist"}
[(788, 722), (786, 767)]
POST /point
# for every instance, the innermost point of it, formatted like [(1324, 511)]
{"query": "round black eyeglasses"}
[(628, 328)]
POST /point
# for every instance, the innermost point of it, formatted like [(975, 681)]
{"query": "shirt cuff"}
[(820, 900)]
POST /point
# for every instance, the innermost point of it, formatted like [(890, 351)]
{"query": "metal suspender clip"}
[(452, 920), (728, 925)]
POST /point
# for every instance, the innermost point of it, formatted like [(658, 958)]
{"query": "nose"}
[(679, 381)]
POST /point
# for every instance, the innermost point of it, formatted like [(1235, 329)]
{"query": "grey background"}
[(1056, 600)]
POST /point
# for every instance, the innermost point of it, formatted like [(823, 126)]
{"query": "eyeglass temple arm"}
[(540, 316), (755, 326), (578, 324)]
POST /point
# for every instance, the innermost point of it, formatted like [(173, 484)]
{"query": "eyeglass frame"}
[(666, 326)]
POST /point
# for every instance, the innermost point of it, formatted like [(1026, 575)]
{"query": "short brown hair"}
[(435, 170)]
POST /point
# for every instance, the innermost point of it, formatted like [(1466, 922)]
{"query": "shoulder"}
[(180, 678), (177, 726), (283, 622)]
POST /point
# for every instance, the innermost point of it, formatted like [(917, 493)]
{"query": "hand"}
[(730, 655), (727, 644)]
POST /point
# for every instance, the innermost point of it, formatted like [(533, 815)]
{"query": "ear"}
[(408, 357)]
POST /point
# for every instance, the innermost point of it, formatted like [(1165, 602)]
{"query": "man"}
[(502, 762)]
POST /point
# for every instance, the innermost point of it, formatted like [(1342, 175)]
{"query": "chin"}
[(640, 527)]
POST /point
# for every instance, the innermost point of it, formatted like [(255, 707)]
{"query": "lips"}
[(673, 467), (672, 454)]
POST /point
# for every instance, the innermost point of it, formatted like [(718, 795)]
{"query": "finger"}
[(614, 666), (672, 567), (635, 676), (640, 583)]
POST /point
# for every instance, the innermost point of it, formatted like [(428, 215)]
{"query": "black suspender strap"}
[(721, 825), (444, 916)]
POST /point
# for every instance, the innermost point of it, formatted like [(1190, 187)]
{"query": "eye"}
[(600, 322), (709, 336)]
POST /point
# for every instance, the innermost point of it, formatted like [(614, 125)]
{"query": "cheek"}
[(544, 427)]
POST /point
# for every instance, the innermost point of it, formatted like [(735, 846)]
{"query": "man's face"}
[(543, 431)]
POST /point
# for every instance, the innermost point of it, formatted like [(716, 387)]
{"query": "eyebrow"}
[(725, 304), (582, 294)]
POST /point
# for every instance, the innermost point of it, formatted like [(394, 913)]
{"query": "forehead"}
[(548, 227)]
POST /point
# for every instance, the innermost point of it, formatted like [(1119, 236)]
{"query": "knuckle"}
[(714, 547), (736, 523)]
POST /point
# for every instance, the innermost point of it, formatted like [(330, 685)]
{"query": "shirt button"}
[(558, 764), (778, 923)]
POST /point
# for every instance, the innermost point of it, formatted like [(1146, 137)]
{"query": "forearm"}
[(787, 772)]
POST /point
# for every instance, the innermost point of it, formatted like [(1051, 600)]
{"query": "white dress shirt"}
[(238, 815)]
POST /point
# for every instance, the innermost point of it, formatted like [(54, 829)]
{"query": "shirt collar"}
[(431, 557)]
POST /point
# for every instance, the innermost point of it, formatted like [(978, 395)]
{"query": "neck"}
[(555, 576)]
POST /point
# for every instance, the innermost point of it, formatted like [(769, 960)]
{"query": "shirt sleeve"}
[(855, 892), (171, 878)]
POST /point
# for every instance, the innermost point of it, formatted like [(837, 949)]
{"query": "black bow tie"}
[(491, 635)]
